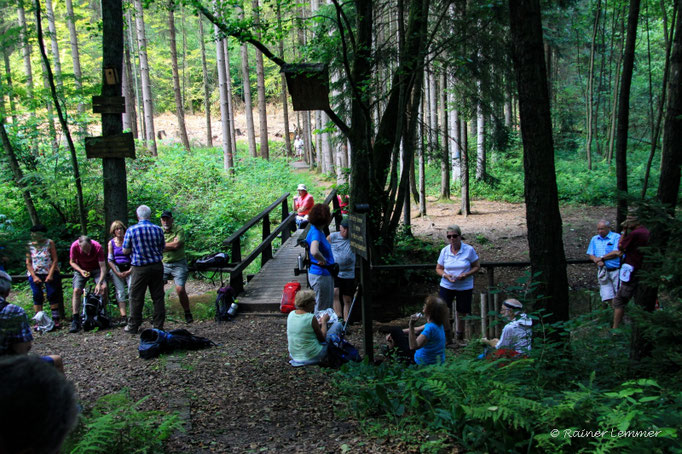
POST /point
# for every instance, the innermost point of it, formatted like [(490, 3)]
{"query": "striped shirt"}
[(146, 241), (600, 246), (14, 327)]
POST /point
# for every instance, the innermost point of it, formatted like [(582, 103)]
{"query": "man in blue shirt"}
[(146, 243), (608, 268)]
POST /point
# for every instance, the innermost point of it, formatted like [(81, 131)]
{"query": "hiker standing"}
[(42, 270), (321, 256), (145, 242), (602, 244), (175, 261), (119, 265), (86, 257)]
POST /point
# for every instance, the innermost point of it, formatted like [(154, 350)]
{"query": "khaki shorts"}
[(177, 270), (625, 293)]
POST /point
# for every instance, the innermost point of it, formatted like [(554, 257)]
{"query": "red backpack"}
[(289, 297)]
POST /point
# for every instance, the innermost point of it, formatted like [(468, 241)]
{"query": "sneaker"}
[(75, 326), (130, 329), (188, 317)]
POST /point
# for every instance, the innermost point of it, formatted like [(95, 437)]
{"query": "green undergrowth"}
[(573, 395), (117, 424)]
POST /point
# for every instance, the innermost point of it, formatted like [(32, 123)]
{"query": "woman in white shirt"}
[(457, 264)]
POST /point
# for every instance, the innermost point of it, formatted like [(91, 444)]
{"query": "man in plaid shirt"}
[(15, 332), (146, 243)]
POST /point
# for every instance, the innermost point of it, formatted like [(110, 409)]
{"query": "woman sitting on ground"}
[(426, 344), (516, 335), (306, 336)]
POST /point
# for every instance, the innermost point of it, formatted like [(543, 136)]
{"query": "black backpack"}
[(153, 342), (94, 315), (223, 302)]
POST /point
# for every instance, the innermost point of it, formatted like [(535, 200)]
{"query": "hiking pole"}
[(350, 311)]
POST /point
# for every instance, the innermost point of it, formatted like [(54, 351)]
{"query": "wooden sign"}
[(111, 76), (108, 104), (308, 85), (117, 146), (357, 223)]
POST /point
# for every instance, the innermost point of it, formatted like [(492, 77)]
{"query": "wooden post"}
[(286, 233), (236, 280), (267, 252), (498, 327), (484, 315)]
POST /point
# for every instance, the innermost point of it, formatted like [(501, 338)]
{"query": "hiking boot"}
[(188, 317), (75, 325), (130, 329)]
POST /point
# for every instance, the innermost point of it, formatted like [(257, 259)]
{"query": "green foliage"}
[(553, 401), (116, 424)]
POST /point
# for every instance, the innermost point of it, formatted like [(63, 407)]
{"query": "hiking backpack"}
[(340, 351), (223, 303), (94, 315), (153, 342), (288, 302)]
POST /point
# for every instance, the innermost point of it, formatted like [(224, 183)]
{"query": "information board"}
[(357, 224)]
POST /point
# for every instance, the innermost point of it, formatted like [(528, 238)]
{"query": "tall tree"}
[(49, 12), (445, 142), (228, 159), (589, 124), (260, 84), (75, 58), (147, 100), (207, 94), (283, 82), (624, 113), (230, 98), (545, 240), (128, 84), (179, 107), (18, 174), (465, 209)]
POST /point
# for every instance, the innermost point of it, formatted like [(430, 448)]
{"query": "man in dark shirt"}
[(636, 236)]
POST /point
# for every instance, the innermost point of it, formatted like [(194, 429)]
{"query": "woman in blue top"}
[(427, 341), (457, 264), (320, 256)]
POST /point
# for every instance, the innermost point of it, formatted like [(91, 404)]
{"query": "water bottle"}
[(300, 262), (232, 311)]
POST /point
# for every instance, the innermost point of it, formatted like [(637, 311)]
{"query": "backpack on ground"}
[(288, 302), (153, 342), (93, 314), (340, 351), (223, 303)]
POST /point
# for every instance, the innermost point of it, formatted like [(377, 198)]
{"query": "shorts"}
[(625, 293), (79, 281), (463, 299), (345, 286), (178, 270), (608, 283)]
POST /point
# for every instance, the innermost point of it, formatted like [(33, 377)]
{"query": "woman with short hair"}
[(457, 264), (119, 264), (43, 270), (306, 336), (321, 257)]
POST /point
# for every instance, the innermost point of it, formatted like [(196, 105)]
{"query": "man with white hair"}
[(303, 203), (601, 252), (145, 242), (516, 335)]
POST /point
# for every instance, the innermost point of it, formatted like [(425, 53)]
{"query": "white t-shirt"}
[(456, 264), (516, 335)]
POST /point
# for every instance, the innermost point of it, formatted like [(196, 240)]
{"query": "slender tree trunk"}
[(260, 84), (433, 111), (422, 155), (18, 174), (542, 202), (186, 104), (207, 93), (10, 85), (179, 107), (464, 163), (480, 141), (62, 119), (49, 12), (248, 108), (590, 88), (285, 102), (228, 159), (144, 76), (77, 73), (230, 98), (453, 134), (445, 142), (130, 115), (624, 113), (135, 79)]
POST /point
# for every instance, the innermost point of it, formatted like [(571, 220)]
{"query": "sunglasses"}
[(452, 236)]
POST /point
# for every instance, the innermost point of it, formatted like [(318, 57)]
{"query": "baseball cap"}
[(166, 214), (302, 187)]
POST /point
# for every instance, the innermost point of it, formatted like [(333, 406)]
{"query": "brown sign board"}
[(357, 224), (108, 104), (117, 146), (308, 85)]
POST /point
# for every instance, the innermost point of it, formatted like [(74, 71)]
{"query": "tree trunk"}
[(18, 174), (49, 12), (423, 146), (590, 84), (230, 98), (179, 107), (77, 73), (260, 84), (285, 102), (62, 119), (248, 108), (144, 77), (228, 158), (207, 93), (113, 169), (135, 79), (624, 113), (480, 141), (445, 142), (464, 164), (432, 112), (542, 202), (130, 115), (25, 48), (10, 86)]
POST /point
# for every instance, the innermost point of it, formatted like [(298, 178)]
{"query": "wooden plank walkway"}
[(264, 292)]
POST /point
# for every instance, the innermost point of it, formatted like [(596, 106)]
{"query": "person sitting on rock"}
[(517, 333)]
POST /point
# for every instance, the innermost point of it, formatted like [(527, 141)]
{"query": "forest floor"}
[(242, 396)]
